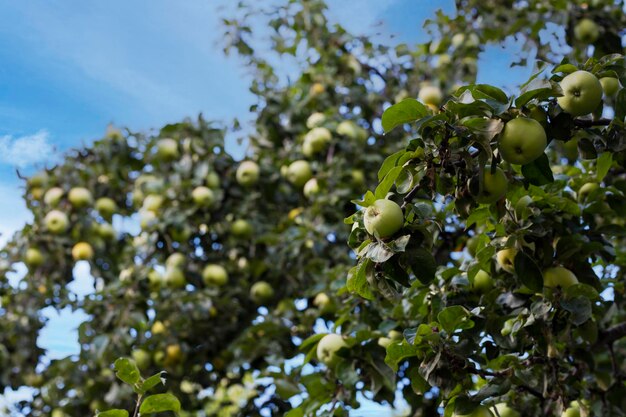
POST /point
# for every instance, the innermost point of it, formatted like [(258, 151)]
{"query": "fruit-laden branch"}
[(612, 334)]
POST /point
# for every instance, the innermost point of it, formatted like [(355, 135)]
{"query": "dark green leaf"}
[(113, 413), (423, 264), (408, 110), (455, 318), (158, 403), (528, 272), (538, 172)]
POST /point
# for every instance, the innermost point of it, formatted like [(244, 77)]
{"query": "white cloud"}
[(26, 150)]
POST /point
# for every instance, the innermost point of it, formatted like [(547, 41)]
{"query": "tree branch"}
[(590, 123), (612, 334)]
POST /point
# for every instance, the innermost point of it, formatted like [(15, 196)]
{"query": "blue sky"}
[(70, 68)]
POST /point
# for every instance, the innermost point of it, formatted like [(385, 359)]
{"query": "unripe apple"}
[(241, 228), (539, 114), (482, 281), (248, 173), (53, 196), (106, 207), (558, 277), (572, 411), (56, 222), (505, 411), (352, 130), (458, 39), (472, 40), (316, 140), (155, 278), (173, 355), (37, 193), (311, 188), (358, 177), (175, 260), (315, 120), (142, 358), (213, 274), (82, 251), (299, 172), (38, 180), (395, 335), (147, 219), (174, 278), (152, 203), (167, 149), (203, 196), (324, 303), (444, 60), (317, 89), (261, 292), (480, 411), (430, 94), (582, 93), (494, 186), (105, 231), (570, 149), (33, 258), (587, 31), (383, 218), (158, 328), (522, 141), (472, 245), (57, 412), (213, 180), (506, 259), (384, 342), (327, 349), (586, 190), (80, 197), (610, 86)]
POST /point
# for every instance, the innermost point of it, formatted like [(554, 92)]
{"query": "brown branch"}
[(612, 334), (409, 196), (591, 123)]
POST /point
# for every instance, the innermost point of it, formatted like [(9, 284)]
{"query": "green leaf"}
[(311, 340), (620, 105), (397, 352), (537, 89), (127, 371), (113, 413), (390, 162), (152, 382), (538, 172), (357, 279), (455, 318), (158, 403), (486, 91), (423, 264), (408, 110), (296, 412), (528, 272), (485, 128), (579, 307), (368, 200), (603, 164), (386, 184)]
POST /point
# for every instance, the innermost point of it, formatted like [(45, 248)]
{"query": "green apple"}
[(586, 190), (203, 196), (56, 222), (480, 411), (472, 245), (383, 218), (213, 274), (158, 328), (105, 231), (173, 355), (213, 180), (106, 207), (328, 347), (38, 180), (539, 114), (152, 203), (175, 260), (155, 278), (610, 86), (472, 40), (241, 228), (248, 173), (357, 177), (80, 197), (582, 93), (57, 412), (572, 411), (458, 40), (317, 89), (587, 31), (430, 94), (506, 259), (82, 251), (142, 358), (570, 149), (444, 60), (351, 130), (315, 120), (37, 193), (299, 172), (167, 149), (174, 278), (33, 258), (505, 411), (324, 303), (315, 141), (311, 188), (482, 281), (53, 196), (522, 141), (261, 292), (384, 342), (494, 186), (147, 219), (558, 277)]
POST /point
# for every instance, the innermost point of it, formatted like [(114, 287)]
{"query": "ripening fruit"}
[(106, 207), (350, 129), (241, 228), (213, 274), (299, 172), (482, 281), (324, 303), (582, 93), (480, 411), (53, 196), (213, 180), (358, 177), (472, 245), (587, 31), (38, 180), (167, 149), (522, 141), (311, 188), (261, 292), (610, 86), (82, 251), (505, 411), (56, 222), (152, 203), (175, 260), (383, 218), (173, 355), (494, 186), (174, 278), (572, 411), (506, 259), (203, 196), (57, 412), (327, 349), (316, 140), (158, 328), (33, 258), (248, 173), (315, 119), (558, 277), (586, 190), (105, 231), (142, 358), (317, 89), (80, 197), (430, 94)]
